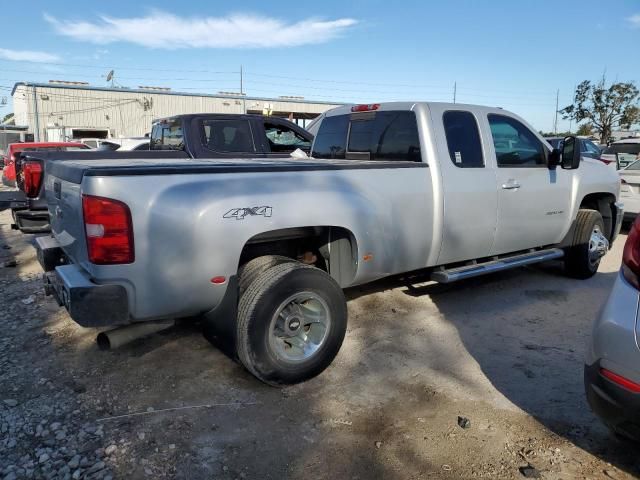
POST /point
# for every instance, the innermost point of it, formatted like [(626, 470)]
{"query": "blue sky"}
[(514, 54)]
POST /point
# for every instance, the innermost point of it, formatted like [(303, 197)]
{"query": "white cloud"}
[(634, 20), (27, 56), (164, 30)]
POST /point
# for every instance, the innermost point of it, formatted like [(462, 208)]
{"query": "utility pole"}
[(455, 88), (244, 103), (555, 123), (37, 115)]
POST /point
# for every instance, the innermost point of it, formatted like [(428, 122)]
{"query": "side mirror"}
[(570, 153), (555, 158)]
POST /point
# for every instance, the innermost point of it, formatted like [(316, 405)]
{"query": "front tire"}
[(588, 247), (292, 320)]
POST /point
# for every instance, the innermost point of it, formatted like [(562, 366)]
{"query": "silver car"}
[(612, 370)]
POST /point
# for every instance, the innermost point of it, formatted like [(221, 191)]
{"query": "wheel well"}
[(604, 203), (332, 249)]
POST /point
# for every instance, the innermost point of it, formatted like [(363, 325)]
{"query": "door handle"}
[(511, 185)]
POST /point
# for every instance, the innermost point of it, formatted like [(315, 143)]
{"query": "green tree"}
[(605, 108), (7, 118), (585, 130)]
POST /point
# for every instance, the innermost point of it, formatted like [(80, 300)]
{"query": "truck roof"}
[(382, 106), (188, 116)]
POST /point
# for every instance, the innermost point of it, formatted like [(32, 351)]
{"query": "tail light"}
[(605, 161), (620, 380), (31, 178), (631, 255), (365, 108), (109, 230)]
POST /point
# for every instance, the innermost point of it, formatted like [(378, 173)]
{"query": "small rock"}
[(529, 471), (76, 474), (111, 449), (172, 446), (225, 468), (464, 422), (148, 471), (55, 426), (10, 402), (29, 300), (74, 462), (140, 435), (43, 458), (378, 444)]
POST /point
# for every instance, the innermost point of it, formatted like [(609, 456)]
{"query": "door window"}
[(227, 136), (463, 139), (515, 144), (590, 149), (283, 139)]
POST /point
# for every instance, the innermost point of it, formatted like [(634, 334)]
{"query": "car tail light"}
[(605, 161), (620, 380), (109, 230), (32, 178), (365, 108), (631, 255)]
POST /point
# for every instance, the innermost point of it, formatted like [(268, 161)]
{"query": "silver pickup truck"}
[(262, 248)]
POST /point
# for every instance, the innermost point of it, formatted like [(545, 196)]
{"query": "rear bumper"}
[(88, 304), (616, 406), (31, 221)]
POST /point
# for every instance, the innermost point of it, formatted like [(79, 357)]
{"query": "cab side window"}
[(283, 139), (231, 136), (515, 144), (463, 139)]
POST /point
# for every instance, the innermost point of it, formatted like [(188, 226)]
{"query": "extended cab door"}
[(533, 200), (468, 185)]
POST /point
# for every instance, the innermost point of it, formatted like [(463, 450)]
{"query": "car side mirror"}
[(570, 153), (555, 158)]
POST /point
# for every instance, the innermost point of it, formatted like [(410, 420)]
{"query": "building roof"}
[(160, 92)]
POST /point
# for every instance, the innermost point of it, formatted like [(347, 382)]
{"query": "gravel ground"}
[(482, 379)]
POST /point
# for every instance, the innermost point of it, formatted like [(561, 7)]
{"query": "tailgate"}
[(64, 201)]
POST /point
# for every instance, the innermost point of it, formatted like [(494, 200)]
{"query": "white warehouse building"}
[(59, 110)]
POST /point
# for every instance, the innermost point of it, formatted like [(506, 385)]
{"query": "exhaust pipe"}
[(122, 335)]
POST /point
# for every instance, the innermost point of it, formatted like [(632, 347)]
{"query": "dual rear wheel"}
[(292, 319)]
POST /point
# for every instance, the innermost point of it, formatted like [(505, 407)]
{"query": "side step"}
[(468, 271)]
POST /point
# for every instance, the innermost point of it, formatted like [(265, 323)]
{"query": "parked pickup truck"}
[(194, 136), (262, 248)]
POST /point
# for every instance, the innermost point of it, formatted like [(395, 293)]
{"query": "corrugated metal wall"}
[(129, 113)]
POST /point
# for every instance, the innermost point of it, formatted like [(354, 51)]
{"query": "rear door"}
[(469, 180), (533, 201)]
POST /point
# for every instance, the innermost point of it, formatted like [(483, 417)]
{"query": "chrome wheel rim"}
[(299, 327), (598, 245)]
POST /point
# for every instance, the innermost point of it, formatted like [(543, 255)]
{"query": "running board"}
[(469, 271)]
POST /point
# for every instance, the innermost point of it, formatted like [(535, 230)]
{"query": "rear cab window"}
[(167, 135), (375, 135)]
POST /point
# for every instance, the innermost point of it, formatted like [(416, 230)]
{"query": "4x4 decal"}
[(240, 213)]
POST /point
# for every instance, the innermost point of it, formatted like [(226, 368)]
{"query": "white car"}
[(623, 152), (125, 144), (630, 189)]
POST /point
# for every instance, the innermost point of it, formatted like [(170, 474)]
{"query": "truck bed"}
[(73, 170)]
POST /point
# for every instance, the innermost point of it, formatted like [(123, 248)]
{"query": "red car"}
[(9, 171)]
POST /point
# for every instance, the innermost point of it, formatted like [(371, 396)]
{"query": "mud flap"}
[(219, 325)]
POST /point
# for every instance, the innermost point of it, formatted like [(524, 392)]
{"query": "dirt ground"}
[(504, 352)]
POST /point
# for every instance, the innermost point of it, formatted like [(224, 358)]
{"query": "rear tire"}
[(292, 320), (248, 272), (589, 244)]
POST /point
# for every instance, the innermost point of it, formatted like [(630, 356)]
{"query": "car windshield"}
[(555, 142)]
